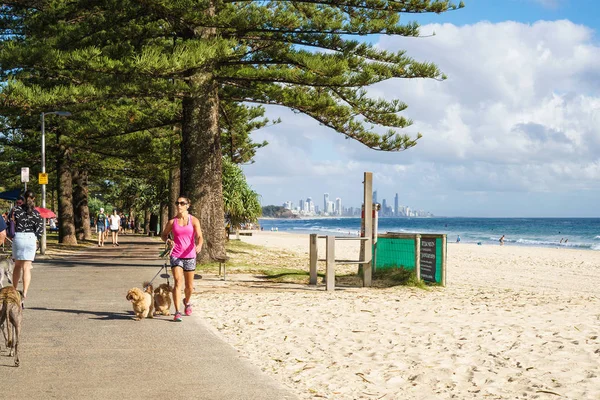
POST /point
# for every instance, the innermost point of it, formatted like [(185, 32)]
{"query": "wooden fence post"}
[(368, 254), (314, 252), (330, 263)]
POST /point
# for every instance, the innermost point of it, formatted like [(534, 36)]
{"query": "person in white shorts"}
[(115, 223)]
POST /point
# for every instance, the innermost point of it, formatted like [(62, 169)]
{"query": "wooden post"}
[(418, 256), (313, 251), (444, 244), (368, 199), (330, 263)]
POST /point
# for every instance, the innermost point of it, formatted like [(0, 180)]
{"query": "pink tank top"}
[(184, 240)]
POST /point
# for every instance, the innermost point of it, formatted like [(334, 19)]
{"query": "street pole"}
[(62, 114), (43, 244)]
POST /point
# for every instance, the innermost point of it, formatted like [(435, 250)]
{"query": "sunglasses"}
[(180, 203)]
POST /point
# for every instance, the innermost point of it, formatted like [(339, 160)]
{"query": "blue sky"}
[(513, 132), (527, 11)]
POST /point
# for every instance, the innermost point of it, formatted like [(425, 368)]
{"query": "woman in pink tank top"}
[(186, 244)]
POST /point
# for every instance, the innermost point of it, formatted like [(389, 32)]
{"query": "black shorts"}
[(114, 230)]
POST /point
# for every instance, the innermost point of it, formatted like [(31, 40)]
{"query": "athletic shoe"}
[(177, 317), (188, 309)]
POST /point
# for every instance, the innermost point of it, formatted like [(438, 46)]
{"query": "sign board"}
[(25, 174), (428, 259), (43, 178)]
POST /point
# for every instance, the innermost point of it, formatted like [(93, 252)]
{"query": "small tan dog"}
[(162, 299), (143, 302), (11, 318)]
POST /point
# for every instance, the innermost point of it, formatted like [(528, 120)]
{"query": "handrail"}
[(343, 238), (347, 261)]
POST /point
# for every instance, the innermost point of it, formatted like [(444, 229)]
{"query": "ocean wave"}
[(534, 242)]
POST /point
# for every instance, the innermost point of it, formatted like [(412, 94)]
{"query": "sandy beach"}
[(513, 323)]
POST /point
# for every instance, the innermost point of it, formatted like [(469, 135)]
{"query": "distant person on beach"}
[(561, 239), (501, 240), (458, 239), (566, 240)]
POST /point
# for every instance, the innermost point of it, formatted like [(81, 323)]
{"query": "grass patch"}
[(398, 276), (286, 275)]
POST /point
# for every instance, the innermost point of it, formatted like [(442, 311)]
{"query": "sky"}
[(513, 132)]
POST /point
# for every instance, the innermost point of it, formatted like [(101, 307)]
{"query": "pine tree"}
[(178, 61)]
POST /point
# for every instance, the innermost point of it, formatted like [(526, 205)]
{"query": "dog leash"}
[(159, 271), (165, 252)]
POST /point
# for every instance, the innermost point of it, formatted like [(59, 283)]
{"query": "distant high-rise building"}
[(310, 205), (375, 196), (325, 201), (338, 206), (330, 207), (396, 210), (301, 205)]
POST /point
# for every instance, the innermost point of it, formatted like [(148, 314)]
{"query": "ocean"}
[(580, 233)]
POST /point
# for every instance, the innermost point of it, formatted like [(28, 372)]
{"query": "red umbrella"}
[(45, 213)]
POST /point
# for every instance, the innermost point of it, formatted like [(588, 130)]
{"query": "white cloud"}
[(517, 123)]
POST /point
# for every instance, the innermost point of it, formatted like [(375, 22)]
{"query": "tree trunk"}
[(201, 164), (147, 216), (164, 217), (174, 181), (66, 226), (80, 204)]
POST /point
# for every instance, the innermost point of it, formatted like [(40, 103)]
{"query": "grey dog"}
[(7, 266), (11, 318)]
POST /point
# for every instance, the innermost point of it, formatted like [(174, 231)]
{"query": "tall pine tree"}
[(198, 54)]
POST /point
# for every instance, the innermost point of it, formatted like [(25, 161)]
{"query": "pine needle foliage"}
[(304, 55), (130, 69)]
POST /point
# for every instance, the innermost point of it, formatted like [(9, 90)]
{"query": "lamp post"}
[(63, 114)]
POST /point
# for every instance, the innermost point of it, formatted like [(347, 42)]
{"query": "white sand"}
[(513, 323)]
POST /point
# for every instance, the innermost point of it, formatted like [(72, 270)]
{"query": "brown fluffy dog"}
[(162, 299), (11, 318), (142, 300)]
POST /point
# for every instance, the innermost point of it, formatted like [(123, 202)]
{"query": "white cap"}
[(101, 209)]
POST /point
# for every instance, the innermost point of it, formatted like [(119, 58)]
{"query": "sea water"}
[(581, 233)]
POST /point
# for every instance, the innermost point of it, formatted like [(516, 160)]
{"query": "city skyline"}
[(307, 206)]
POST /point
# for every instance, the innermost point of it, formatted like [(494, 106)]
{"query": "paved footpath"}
[(79, 340)]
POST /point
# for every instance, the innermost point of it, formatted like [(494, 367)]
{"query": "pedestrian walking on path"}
[(101, 226), (28, 230), (115, 223)]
